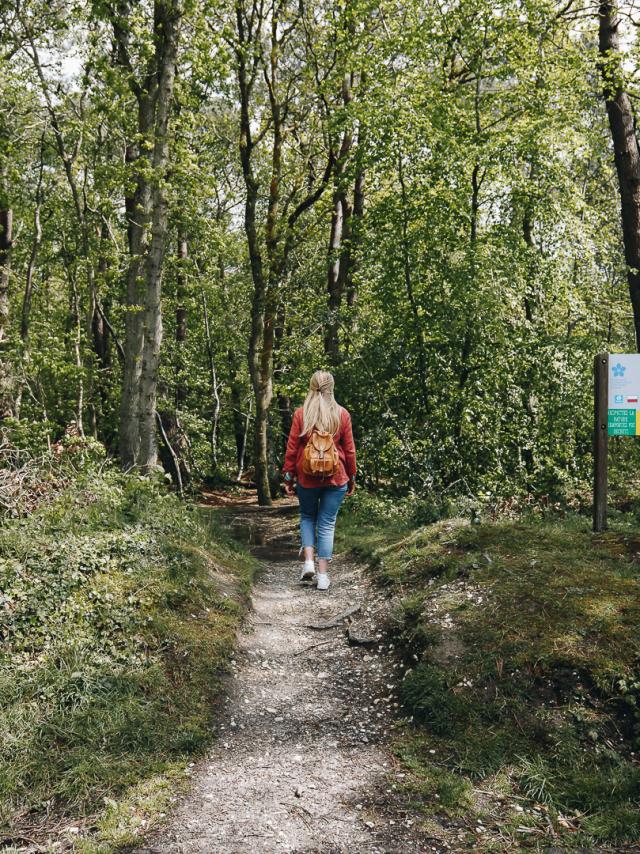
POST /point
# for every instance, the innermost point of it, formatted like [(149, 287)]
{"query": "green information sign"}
[(616, 392), (622, 422), (623, 392)]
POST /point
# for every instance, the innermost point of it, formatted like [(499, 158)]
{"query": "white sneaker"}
[(308, 570), (323, 581)]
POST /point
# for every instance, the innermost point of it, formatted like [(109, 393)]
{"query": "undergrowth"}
[(522, 669), (118, 610)]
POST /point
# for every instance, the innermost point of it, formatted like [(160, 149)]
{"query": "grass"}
[(119, 609), (522, 653)]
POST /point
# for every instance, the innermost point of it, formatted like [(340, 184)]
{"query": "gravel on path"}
[(301, 760)]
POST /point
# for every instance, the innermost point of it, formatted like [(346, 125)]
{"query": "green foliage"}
[(484, 272), (432, 788), (429, 698), (521, 651), (120, 607)]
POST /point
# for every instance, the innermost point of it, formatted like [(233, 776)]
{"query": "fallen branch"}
[(174, 456), (335, 621), (313, 646)]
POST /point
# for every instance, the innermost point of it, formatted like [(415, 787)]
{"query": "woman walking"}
[(320, 467)]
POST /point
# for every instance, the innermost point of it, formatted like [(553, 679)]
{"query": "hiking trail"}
[(301, 761)]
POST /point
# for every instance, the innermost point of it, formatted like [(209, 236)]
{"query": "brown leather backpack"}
[(320, 457)]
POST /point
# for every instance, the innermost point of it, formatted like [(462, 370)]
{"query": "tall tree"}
[(148, 156), (256, 27), (6, 242), (9, 121), (626, 150), (341, 210), (181, 315)]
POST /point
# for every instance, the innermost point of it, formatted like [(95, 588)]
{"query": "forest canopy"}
[(201, 203)]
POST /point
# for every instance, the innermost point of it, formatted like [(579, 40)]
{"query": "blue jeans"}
[(319, 507)]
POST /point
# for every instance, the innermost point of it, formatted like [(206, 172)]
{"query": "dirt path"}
[(300, 763)]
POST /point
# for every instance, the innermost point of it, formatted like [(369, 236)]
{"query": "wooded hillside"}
[(203, 202)]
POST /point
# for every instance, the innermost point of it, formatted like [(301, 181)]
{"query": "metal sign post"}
[(616, 413)]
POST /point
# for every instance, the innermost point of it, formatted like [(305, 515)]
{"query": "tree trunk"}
[(284, 400), (153, 274), (27, 297), (527, 236), (340, 216), (31, 264), (355, 224), (147, 228), (181, 318), (258, 355), (280, 225), (237, 413), (6, 240), (349, 265), (275, 264), (174, 449), (77, 346), (352, 238), (213, 376), (244, 440), (626, 150), (99, 329), (6, 379), (136, 209), (408, 281), (334, 280), (467, 341), (530, 304), (6, 243), (99, 324), (82, 211), (261, 371), (261, 443)]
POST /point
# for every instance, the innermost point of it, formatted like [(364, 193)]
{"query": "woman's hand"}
[(351, 488), (289, 488)]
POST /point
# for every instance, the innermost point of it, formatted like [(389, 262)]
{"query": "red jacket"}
[(344, 443)]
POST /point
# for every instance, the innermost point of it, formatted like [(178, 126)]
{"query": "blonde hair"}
[(320, 409)]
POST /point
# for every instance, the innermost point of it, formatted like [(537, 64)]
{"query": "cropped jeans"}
[(319, 507)]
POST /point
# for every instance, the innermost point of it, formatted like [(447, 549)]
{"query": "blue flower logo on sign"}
[(619, 398), (618, 370)]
